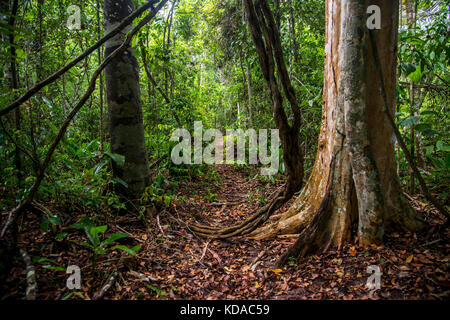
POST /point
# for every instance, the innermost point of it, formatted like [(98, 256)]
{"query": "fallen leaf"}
[(409, 259)]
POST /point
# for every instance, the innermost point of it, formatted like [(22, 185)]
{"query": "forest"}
[(224, 150)]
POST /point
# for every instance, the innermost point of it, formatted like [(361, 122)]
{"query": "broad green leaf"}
[(131, 251), (121, 182), (99, 166), (61, 235), (49, 267), (409, 121), (112, 238), (117, 158), (416, 75)]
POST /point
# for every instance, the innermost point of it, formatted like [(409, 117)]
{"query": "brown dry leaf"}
[(409, 259), (405, 268)]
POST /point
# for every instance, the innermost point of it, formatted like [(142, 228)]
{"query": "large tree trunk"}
[(124, 104), (344, 189)]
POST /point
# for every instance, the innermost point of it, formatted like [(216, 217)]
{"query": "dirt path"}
[(175, 264), (193, 268)]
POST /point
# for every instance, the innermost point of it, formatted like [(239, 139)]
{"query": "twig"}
[(198, 260), (431, 242), (231, 203), (131, 235), (31, 276), (106, 287), (159, 225), (259, 256), (214, 254), (36, 161), (288, 236), (142, 277), (157, 161), (204, 250)]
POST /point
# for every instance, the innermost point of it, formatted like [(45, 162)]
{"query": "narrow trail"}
[(175, 264), (190, 267)]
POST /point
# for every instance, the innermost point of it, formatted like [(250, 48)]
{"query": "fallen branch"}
[(257, 259), (159, 225), (124, 46), (400, 141), (106, 287), (31, 276), (232, 203), (288, 236), (204, 250), (143, 277)]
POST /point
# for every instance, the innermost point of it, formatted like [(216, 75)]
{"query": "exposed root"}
[(307, 240), (321, 232), (246, 226)]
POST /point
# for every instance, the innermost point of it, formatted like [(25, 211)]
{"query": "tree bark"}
[(100, 58), (354, 179), (15, 86), (124, 104)]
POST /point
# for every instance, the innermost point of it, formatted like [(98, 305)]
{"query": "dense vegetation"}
[(197, 62)]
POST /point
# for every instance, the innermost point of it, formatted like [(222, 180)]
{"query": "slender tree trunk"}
[(249, 94), (267, 41), (99, 56), (124, 104), (419, 146), (248, 72), (15, 86), (411, 12), (354, 180), (412, 185)]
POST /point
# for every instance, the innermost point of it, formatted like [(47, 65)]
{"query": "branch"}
[(38, 86), (155, 84), (430, 86), (36, 161)]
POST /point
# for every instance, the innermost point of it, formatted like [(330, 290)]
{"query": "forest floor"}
[(173, 263)]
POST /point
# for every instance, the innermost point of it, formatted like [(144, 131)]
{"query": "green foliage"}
[(98, 244), (424, 57)]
